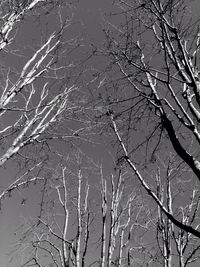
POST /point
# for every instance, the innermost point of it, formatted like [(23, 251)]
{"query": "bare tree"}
[(77, 229), (126, 219), (154, 63), (149, 97), (40, 93), (171, 188), (61, 233)]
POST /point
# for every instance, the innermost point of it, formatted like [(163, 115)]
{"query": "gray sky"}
[(89, 13)]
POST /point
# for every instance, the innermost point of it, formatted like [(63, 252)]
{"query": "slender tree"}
[(61, 233)]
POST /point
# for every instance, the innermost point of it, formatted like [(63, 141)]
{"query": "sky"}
[(89, 13)]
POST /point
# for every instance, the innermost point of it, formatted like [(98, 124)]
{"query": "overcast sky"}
[(90, 14)]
